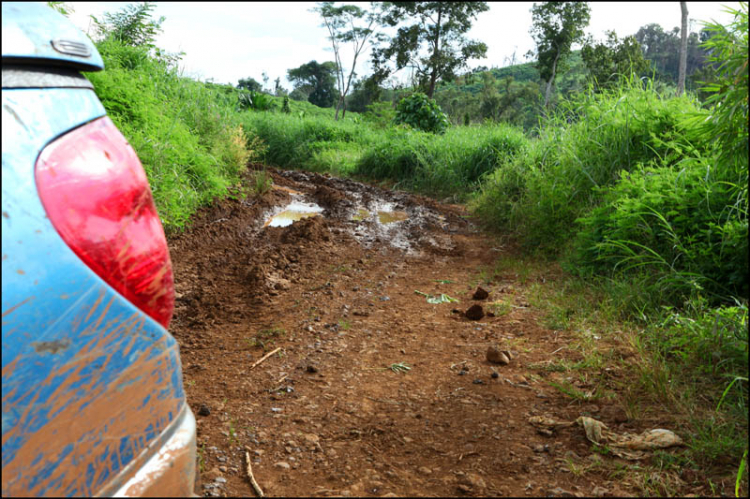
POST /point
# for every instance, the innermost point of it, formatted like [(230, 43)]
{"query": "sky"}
[(226, 41)]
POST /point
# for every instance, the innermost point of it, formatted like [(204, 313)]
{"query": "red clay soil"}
[(327, 415)]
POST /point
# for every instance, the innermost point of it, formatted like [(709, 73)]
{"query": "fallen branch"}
[(265, 357), (249, 470)]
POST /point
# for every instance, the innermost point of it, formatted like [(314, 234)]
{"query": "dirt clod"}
[(475, 312), (480, 294)]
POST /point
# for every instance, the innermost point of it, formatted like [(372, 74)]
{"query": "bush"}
[(422, 113)]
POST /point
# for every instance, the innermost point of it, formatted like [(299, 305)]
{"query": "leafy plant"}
[(441, 298), (422, 113)]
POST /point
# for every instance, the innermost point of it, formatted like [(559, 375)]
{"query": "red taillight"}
[(97, 196)]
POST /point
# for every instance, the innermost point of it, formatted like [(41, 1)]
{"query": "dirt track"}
[(326, 416)]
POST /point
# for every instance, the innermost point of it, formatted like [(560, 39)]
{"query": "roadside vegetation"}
[(640, 193)]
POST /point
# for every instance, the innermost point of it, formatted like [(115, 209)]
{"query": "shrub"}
[(422, 113)]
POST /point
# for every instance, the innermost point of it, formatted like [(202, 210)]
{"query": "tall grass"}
[(187, 135)]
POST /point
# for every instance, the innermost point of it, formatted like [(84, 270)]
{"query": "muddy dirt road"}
[(335, 411)]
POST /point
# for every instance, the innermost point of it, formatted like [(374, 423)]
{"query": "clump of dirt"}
[(368, 394)]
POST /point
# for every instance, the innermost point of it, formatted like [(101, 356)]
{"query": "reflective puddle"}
[(292, 213), (361, 215), (384, 216), (389, 217)]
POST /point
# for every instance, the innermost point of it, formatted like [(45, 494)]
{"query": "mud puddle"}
[(293, 212)]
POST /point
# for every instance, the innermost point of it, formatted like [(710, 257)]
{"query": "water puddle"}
[(294, 212), (384, 216), (389, 217), (362, 214)]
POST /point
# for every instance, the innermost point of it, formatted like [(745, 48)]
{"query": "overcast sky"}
[(227, 41)]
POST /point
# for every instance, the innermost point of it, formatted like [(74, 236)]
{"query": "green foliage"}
[(261, 102), (186, 134), (63, 8), (556, 26), (440, 28), (608, 61), (285, 106), (448, 164), (662, 50), (347, 24), (132, 25), (422, 113), (250, 83), (672, 223), (317, 80)]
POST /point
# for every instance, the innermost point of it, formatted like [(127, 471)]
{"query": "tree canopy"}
[(556, 26), (438, 28), (317, 80), (611, 58)]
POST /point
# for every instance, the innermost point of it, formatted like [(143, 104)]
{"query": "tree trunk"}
[(683, 49), (433, 76), (551, 79)]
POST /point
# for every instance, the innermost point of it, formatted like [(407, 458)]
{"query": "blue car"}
[(92, 393)]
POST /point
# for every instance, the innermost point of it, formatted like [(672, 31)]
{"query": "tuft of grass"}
[(261, 182)]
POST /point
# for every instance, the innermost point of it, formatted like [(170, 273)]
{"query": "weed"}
[(344, 324), (201, 457), (576, 394), (500, 307), (261, 182)]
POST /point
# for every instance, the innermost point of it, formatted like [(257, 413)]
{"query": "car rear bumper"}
[(170, 469)]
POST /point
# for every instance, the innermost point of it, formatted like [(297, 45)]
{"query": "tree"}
[(556, 26), (440, 28), (606, 60), (317, 80), (131, 26), (250, 84), (278, 90), (341, 23), (683, 49)]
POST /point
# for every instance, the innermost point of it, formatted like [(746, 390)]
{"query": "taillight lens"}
[(97, 196)]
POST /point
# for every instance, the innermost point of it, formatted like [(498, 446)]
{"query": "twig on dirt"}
[(264, 357), (553, 353), (249, 470)]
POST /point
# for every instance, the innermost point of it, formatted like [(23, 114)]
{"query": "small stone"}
[(282, 465), (204, 410), (474, 313), (311, 369), (495, 375), (212, 475), (221, 479), (480, 294), (559, 492), (223, 469), (312, 438), (497, 356), (276, 409), (425, 470), (478, 382)]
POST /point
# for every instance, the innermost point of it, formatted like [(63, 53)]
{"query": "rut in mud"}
[(376, 390)]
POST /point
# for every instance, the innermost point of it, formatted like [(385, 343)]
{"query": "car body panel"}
[(32, 32), (95, 381)]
